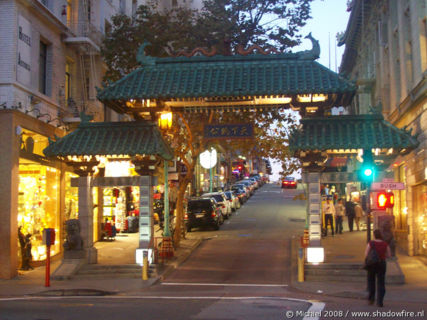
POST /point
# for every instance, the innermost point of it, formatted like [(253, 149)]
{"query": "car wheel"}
[(188, 228), (216, 226)]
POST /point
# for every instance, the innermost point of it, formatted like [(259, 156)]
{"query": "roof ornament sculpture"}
[(142, 59), (312, 54), (241, 50), (196, 52)]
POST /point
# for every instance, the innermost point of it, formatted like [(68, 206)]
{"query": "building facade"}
[(386, 54), (50, 65)]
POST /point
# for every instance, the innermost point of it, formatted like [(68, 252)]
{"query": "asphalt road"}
[(238, 272)]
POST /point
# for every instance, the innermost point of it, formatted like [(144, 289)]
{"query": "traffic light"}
[(240, 167), (382, 200), (367, 170)]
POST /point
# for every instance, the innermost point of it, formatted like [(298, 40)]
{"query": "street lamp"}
[(165, 120)]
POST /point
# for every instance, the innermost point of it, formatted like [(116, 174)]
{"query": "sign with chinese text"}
[(228, 131)]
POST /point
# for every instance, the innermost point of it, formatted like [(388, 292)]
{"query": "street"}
[(241, 271)]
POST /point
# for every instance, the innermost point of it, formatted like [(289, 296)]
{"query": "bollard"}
[(145, 265), (300, 265)]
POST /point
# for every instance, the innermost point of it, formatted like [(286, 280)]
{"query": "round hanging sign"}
[(208, 159)]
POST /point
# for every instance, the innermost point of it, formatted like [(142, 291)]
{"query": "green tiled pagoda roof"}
[(111, 138), (228, 76), (349, 132)]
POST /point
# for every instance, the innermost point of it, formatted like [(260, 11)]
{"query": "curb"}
[(73, 292)]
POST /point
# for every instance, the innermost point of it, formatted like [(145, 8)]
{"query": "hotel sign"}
[(23, 72), (228, 131)]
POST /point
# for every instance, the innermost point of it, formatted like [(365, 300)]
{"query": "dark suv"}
[(201, 212)]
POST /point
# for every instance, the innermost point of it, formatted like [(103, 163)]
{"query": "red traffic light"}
[(382, 200), (239, 167)]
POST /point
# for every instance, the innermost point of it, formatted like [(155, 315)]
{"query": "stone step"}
[(335, 272), (119, 271), (349, 273), (333, 266)]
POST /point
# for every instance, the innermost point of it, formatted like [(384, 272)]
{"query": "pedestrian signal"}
[(382, 200)]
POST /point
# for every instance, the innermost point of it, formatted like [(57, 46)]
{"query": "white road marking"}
[(221, 284), (315, 309)]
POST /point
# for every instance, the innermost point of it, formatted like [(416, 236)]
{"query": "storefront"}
[(33, 191)]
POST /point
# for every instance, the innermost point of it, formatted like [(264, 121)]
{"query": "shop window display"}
[(71, 198), (38, 204), (119, 204)]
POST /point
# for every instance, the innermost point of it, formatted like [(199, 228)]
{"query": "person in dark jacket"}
[(377, 271), (350, 213)]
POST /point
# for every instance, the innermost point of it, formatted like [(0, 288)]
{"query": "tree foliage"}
[(274, 23)]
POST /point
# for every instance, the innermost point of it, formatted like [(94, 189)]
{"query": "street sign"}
[(228, 131), (388, 186)]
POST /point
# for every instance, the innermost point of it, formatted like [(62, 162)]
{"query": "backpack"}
[(372, 258)]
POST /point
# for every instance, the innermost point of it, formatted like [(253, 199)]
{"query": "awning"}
[(111, 139), (350, 132)]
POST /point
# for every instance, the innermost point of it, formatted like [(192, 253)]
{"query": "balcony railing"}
[(87, 30)]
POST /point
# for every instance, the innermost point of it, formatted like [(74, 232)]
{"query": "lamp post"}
[(166, 231), (165, 123), (208, 160)]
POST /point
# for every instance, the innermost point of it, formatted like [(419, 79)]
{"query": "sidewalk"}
[(32, 282), (349, 247)]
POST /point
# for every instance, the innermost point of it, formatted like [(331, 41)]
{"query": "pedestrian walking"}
[(339, 216), (328, 210), (173, 196), (359, 214), (377, 271), (349, 211)]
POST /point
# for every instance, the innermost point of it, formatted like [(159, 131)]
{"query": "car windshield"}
[(217, 197), (228, 195), (199, 206)]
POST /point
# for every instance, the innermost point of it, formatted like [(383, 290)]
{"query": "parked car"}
[(254, 182), (249, 184), (245, 187), (222, 202), (233, 199), (239, 190), (202, 212), (289, 182)]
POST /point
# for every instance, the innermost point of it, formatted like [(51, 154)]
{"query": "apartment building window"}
[(122, 6), (68, 82), (407, 36), (174, 3), (69, 12), (43, 68), (89, 11), (134, 7), (45, 2)]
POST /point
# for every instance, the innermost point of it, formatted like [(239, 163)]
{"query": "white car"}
[(222, 202), (233, 199)]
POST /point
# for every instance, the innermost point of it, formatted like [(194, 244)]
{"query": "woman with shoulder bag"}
[(378, 270)]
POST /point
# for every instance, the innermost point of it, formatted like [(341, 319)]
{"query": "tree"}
[(262, 22), (234, 22)]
